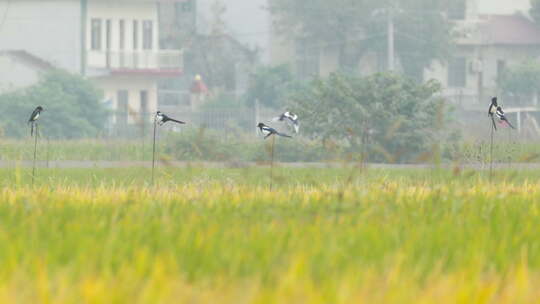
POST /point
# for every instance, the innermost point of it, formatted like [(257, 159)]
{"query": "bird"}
[(162, 119), (492, 111), (33, 118), (502, 117), (268, 131), (291, 119)]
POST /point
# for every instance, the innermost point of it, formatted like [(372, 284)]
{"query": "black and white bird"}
[(162, 119), (289, 118), (268, 131), (34, 117), (502, 117), (492, 111)]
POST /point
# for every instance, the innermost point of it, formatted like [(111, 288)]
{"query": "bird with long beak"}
[(268, 131), (291, 119), (492, 111), (161, 119), (34, 117)]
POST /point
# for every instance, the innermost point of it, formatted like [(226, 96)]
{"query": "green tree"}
[(400, 117), (268, 85), (521, 81), (535, 10), (354, 27), (73, 107)]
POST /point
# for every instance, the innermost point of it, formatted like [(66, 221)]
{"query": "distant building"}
[(486, 45), (209, 51), (19, 69), (115, 43)]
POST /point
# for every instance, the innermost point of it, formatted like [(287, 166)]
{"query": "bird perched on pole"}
[(268, 131), (291, 119), (502, 117), (162, 119), (34, 117), (492, 111)]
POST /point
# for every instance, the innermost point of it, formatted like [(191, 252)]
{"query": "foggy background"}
[(381, 81)]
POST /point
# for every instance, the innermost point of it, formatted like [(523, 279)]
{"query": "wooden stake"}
[(272, 163), (35, 153), (154, 151), (491, 154)]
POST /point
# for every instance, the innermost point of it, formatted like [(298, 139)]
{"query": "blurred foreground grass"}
[(221, 236)]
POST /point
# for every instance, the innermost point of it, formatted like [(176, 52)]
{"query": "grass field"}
[(221, 236)]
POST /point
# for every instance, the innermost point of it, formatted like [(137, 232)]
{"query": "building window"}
[(122, 107), (184, 7), (307, 59), (122, 35), (457, 10), (144, 102), (96, 34), (147, 34), (457, 72), (135, 34)]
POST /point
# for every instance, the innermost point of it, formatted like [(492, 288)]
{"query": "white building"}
[(113, 42), (18, 70)]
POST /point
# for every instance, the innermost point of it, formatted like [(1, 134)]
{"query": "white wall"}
[(502, 6), (127, 11), (48, 29), (134, 86)]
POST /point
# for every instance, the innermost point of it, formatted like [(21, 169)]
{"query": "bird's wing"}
[(32, 116)]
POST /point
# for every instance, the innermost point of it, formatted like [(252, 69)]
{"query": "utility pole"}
[(391, 40)]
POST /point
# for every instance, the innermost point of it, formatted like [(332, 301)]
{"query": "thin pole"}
[(272, 163), (154, 151), (48, 152), (491, 155), (35, 154), (143, 130)]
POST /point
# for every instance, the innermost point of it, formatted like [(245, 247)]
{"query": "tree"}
[(73, 107), (535, 10), (355, 27), (400, 117), (521, 81), (268, 85)]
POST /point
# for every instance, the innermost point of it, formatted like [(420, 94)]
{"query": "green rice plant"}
[(219, 235)]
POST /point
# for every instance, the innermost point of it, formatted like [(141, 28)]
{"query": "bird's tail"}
[(509, 124), (296, 128), (284, 135), (178, 121)]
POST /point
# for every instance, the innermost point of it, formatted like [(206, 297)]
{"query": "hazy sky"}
[(247, 20), (502, 6)]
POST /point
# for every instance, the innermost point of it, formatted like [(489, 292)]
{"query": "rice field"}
[(222, 236)]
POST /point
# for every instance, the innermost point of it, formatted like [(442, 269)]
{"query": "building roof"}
[(28, 59), (502, 30)]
